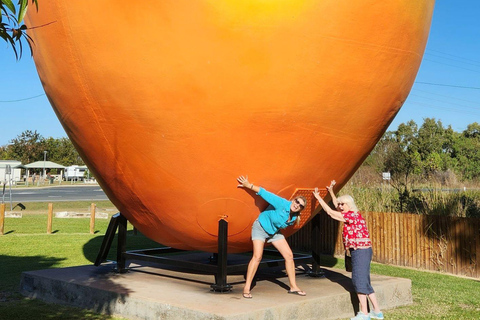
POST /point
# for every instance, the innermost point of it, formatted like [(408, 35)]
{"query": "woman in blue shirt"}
[(280, 214)]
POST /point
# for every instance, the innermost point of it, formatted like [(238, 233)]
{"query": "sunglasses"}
[(299, 203)]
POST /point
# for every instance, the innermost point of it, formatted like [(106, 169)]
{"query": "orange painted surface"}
[(169, 102)]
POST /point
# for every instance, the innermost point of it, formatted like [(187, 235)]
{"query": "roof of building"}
[(13, 164), (44, 164)]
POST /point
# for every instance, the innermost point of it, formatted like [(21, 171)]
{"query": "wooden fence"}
[(446, 244)]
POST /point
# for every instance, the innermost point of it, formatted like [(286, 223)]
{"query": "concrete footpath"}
[(148, 292)]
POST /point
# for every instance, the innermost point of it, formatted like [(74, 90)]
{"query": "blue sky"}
[(447, 86)]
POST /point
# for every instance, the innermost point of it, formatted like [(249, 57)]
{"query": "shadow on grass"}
[(138, 241), (11, 268), (15, 306)]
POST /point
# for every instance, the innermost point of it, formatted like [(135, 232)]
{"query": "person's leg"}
[(284, 249), (362, 298), (361, 276), (253, 264), (373, 300)]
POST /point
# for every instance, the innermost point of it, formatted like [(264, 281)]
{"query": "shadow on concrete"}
[(346, 283), (270, 274), (137, 241), (62, 286)]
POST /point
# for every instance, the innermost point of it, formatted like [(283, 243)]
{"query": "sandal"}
[(297, 292), (247, 295)]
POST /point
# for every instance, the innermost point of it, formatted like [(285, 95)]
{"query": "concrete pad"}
[(148, 292)]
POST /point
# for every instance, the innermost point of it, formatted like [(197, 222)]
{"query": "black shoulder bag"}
[(348, 261)]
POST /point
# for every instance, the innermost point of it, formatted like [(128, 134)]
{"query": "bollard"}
[(50, 218), (92, 218), (2, 218)]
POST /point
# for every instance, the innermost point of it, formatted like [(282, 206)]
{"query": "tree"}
[(466, 152), (30, 145), (397, 153), (12, 28), (431, 143), (430, 137), (473, 130), (406, 134), (62, 151), (27, 147)]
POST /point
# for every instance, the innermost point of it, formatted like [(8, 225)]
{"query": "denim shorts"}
[(258, 233), (361, 270)]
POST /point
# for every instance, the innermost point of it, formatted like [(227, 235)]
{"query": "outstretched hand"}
[(243, 182), (316, 194), (330, 187)]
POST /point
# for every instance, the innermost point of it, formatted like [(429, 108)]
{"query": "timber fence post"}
[(50, 218), (92, 218)]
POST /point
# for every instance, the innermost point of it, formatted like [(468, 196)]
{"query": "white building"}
[(10, 171)]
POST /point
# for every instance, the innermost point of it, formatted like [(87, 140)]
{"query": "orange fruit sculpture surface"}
[(168, 102)]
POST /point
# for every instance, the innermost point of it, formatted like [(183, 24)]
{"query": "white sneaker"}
[(374, 315), (361, 316)]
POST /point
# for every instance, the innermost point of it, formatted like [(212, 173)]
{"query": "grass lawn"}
[(25, 246)]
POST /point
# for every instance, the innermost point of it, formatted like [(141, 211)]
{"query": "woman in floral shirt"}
[(356, 240)]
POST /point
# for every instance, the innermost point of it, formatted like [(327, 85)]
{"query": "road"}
[(53, 194)]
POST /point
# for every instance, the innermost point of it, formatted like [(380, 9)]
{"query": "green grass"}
[(42, 207), (435, 295), (26, 247)]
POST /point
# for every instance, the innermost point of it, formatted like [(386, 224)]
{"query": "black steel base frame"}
[(218, 265)]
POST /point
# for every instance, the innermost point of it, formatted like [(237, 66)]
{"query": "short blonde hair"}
[(348, 199)]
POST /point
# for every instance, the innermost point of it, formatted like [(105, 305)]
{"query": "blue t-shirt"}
[(276, 215)]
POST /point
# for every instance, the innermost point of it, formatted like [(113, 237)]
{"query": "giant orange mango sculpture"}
[(169, 101)]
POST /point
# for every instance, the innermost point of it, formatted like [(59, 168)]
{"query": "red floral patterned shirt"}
[(355, 232)]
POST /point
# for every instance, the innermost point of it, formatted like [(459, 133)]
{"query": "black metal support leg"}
[(107, 240), (316, 270), (122, 244), (221, 284)]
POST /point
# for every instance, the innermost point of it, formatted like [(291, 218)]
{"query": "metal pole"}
[(221, 284), (122, 244), (44, 160), (11, 181), (4, 185), (2, 218), (107, 239), (8, 171)]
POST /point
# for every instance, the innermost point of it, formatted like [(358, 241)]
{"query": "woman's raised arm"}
[(244, 183), (332, 213), (332, 194)]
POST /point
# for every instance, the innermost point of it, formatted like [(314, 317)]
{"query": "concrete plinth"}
[(147, 292)]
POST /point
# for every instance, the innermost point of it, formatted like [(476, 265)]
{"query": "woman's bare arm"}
[(332, 213), (332, 194), (244, 183)]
